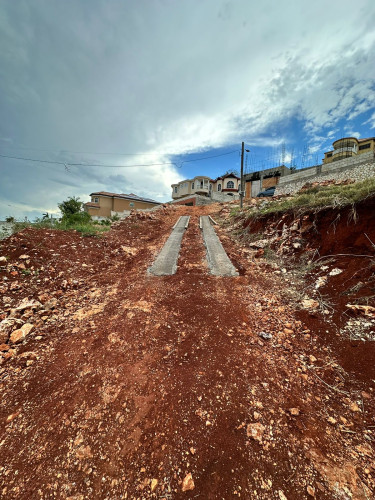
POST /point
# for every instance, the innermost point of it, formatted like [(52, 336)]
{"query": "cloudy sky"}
[(155, 83)]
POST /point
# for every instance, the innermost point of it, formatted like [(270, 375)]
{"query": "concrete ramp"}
[(218, 260), (166, 262)]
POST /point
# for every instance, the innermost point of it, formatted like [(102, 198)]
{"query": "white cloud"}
[(170, 78)]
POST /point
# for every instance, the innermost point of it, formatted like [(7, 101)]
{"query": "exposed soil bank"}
[(341, 238)]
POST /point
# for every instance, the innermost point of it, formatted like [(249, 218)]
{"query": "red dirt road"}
[(137, 381)]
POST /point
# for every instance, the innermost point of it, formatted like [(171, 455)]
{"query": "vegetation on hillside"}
[(73, 218), (317, 198)]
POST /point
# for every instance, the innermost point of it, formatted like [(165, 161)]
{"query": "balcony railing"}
[(345, 149)]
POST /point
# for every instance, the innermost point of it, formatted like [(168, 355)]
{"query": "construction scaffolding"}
[(280, 156)]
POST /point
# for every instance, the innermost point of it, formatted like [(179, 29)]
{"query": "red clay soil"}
[(135, 386), (342, 238)]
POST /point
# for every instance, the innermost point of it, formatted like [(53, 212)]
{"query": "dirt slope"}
[(127, 384)]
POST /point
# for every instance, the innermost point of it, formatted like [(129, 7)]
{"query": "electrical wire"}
[(79, 152), (69, 164), (207, 157), (111, 154)]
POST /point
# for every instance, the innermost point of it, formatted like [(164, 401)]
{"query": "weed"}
[(353, 289), (270, 254), (320, 197), (85, 227)]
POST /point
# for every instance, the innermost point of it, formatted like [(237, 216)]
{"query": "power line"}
[(81, 152), (208, 157), (70, 164), (111, 154)]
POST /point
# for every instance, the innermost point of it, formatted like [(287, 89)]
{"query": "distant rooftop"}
[(125, 196)]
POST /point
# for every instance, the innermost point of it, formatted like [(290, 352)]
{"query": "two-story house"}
[(205, 186), (347, 147)]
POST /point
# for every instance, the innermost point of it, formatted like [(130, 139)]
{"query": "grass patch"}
[(319, 197), (87, 228)]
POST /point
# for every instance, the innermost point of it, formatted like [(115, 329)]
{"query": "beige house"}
[(347, 147), (104, 204), (205, 186)]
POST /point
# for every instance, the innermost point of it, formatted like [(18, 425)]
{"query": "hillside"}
[(118, 384)]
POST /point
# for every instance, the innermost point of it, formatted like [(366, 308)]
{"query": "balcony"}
[(201, 190), (346, 150)]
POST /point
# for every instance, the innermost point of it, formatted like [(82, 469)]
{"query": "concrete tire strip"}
[(218, 260), (166, 262)]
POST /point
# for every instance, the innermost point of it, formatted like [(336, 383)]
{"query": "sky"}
[(121, 96)]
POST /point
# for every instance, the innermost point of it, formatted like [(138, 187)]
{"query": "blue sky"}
[(156, 82)]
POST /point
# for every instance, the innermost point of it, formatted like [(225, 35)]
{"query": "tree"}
[(231, 171), (70, 206), (72, 212)]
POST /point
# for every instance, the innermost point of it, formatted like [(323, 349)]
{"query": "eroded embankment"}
[(330, 253)]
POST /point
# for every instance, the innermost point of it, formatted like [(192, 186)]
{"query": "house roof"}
[(222, 177), (366, 139), (92, 204), (125, 196)]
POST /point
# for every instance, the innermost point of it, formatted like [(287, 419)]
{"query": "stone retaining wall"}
[(358, 169)]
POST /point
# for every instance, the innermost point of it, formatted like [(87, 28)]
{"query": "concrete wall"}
[(194, 200), (222, 197), (357, 168)]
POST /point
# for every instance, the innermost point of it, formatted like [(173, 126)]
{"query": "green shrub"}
[(76, 218)]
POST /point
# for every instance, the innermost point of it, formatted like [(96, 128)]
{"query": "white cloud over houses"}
[(161, 78)]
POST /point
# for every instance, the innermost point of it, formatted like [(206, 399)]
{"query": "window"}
[(365, 146), (175, 189), (96, 200), (230, 185), (131, 204), (219, 187), (329, 155), (192, 185)]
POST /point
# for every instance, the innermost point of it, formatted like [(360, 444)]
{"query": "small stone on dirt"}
[(354, 407), (310, 491), (335, 271), (12, 416), (265, 335), (281, 495), (255, 431), (294, 411), (310, 304), (188, 483), (154, 484)]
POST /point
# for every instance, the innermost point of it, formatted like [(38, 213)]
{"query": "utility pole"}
[(241, 187)]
